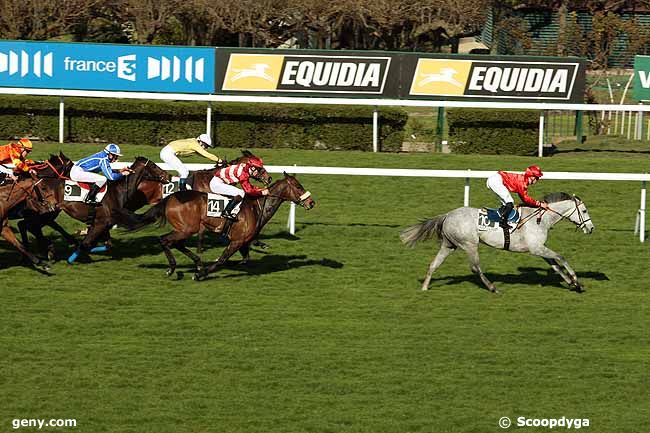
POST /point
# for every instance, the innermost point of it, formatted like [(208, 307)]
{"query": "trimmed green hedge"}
[(488, 131), (235, 124)]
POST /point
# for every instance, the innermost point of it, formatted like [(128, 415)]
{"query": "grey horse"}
[(459, 228)]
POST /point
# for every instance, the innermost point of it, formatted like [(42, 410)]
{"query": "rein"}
[(582, 222)]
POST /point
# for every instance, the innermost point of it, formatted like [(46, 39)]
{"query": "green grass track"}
[(327, 331)]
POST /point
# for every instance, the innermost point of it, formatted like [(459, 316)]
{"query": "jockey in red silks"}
[(503, 183), (224, 181)]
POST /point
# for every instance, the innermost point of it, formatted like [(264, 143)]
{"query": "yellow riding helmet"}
[(26, 143)]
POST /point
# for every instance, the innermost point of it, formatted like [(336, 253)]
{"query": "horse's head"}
[(149, 170), (290, 189), (57, 166), (39, 196), (572, 208)]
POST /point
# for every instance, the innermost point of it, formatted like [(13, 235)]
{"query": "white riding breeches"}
[(77, 173), (5, 170), (168, 155), (217, 186), (495, 184)]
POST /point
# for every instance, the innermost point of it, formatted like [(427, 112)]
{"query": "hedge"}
[(512, 132), (236, 125)]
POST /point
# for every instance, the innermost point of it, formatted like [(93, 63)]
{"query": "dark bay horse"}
[(186, 212), (38, 198), (56, 167)]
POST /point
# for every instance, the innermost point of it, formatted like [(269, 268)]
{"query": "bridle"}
[(35, 191), (567, 215)]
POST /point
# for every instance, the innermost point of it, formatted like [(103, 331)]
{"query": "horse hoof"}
[(495, 290), (197, 277), (424, 289), (169, 272)]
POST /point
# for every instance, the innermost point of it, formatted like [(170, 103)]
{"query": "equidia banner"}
[(106, 67), (497, 79), (313, 73), (642, 78)]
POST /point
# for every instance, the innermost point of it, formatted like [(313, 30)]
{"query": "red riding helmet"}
[(256, 162), (533, 171)]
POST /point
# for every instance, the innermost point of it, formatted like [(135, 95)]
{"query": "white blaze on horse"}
[(460, 228)]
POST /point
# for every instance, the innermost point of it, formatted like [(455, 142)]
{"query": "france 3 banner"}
[(307, 73), (106, 67), (523, 79)]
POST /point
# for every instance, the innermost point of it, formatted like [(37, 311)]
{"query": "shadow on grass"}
[(267, 264), (525, 276)]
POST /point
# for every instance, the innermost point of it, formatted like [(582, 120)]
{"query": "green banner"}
[(641, 78)]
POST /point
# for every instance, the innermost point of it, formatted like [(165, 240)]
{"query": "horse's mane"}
[(555, 197)]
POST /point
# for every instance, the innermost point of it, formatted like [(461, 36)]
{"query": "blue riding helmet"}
[(113, 148)]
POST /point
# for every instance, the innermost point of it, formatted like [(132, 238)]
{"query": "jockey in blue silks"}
[(87, 170)]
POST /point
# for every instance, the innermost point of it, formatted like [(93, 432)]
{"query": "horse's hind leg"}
[(445, 249), (165, 244), (180, 246), (8, 234), (474, 265)]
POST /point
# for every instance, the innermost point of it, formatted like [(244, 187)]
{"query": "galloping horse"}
[(38, 198), (186, 212), (459, 228), (112, 210), (57, 166)]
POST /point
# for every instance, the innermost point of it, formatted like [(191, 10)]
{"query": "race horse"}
[(459, 228), (187, 213), (57, 166), (38, 198)]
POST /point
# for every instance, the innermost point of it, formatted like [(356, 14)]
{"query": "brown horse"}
[(56, 167), (186, 212), (200, 181), (38, 197)]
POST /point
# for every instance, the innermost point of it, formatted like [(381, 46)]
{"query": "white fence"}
[(462, 174), (632, 110)]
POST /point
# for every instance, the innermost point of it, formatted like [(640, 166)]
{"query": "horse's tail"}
[(423, 231), (155, 213)]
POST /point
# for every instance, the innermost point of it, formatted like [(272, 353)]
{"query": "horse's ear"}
[(246, 152), (285, 174)]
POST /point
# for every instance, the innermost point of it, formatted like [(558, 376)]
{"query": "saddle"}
[(77, 191), (495, 214)]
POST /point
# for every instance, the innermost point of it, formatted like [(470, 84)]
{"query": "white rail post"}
[(540, 145), (466, 192), (208, 119), (639, 124), (291, 222), (375, 130), (642, 212), (61, 118)]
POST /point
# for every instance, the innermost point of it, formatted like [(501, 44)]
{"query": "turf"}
[(327, 331)]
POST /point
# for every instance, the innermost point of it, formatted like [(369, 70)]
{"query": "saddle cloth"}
[(77, 191), (489, 218), (172, 187), (217, 203)]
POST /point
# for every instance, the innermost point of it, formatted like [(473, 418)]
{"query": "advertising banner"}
[(641, 78), (106, 67), (307, 73), (525, 79)]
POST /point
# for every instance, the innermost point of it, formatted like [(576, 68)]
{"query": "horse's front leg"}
[(89, 240), (231, 249), (548, 253), (558, 270)]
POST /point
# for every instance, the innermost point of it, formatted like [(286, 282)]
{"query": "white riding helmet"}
[(113, 148), (205, 138)]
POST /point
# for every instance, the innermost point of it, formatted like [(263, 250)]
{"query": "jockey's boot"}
[(182, 184), (92, 195), (227, 212), (505, 212)]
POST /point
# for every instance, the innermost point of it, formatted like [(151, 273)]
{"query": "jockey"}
[(185, 148), (16, 154), (503, 183), (87, 169), (224, 181)]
